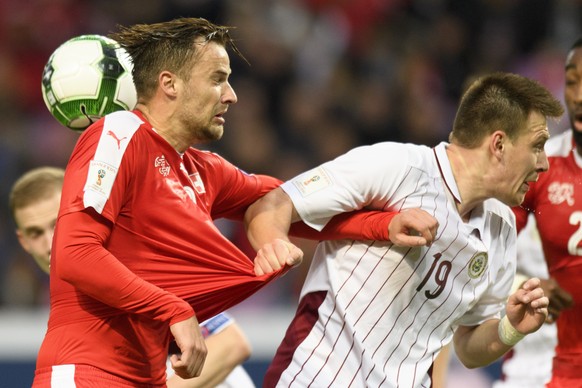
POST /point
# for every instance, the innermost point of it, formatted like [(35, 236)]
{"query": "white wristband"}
[(507, 333)]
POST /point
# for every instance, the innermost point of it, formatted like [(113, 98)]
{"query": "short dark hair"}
[(577, 43), (500, 101), (167, 46)]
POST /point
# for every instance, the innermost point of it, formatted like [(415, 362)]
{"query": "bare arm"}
[(441, 367), (267, 222), (526, 311), (226, 350), (193, 349), (269, 219)]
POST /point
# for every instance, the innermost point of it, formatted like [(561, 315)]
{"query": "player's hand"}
[(412, 228), (559, 298), (527, 308), (275, 255), (189, 339)]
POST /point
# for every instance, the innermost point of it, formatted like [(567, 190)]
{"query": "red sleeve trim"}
[(356, 225)]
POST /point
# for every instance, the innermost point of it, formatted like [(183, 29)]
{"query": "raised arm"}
[(411, 227), (269, 222)]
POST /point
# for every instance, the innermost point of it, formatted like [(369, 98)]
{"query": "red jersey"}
[(164, 254), (556, 201)]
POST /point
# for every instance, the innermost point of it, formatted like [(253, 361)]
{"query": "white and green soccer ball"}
[(86, 78)]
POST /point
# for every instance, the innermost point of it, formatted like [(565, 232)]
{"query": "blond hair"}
[(34, 186)]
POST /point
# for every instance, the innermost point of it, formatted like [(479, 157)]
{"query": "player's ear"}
[(167, 82), (497, 143), (22, 240)]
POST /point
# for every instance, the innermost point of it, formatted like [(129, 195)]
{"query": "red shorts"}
[(80, 376)]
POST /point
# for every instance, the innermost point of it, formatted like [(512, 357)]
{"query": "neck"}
[(470, 178), (164, 127)]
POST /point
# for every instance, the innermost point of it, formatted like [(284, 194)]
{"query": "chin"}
[(212, 134), (518, 200)]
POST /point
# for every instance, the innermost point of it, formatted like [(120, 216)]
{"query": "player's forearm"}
[(83, 262), (479, 346), (226, 350), (356, 225), (269, 218)]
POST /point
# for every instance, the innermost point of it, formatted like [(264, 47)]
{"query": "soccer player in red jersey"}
[(556, 201), (34, 203), (135, 253), (136, 257)]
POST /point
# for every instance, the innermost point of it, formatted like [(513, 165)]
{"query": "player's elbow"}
[(471, 348), (469, 363)]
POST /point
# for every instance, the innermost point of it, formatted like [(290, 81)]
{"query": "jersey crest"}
[(477, 265), (561, 192), (162, 164)]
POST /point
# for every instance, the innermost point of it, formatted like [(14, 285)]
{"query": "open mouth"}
[(577, 121)]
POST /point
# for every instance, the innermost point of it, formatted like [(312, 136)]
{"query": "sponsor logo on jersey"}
[(118, 140), (477, 265), (100, 178), (100, 175), (561, 192), (312, 181), (163, 165)]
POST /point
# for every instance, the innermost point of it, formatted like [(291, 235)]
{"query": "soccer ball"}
[(86, 78)]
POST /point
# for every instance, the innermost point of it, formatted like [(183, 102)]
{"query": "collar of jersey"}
[(440, 152)]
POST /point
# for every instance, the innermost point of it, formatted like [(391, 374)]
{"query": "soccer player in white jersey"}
[(375, 314), (529, 363)]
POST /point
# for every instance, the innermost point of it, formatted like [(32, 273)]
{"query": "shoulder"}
[(391, 151), (560, 145), (500, 210), (204, 157), (118, 126)]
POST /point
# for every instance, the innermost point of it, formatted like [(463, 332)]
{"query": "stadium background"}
[(324, 76)]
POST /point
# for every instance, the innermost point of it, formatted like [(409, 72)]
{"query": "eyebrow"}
[(31, 229)]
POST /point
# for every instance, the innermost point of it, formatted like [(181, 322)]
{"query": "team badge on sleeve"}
[(312, 181), (98, 185)]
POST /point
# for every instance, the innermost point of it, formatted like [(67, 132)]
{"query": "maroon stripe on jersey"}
[(378, 291), (302, 324)]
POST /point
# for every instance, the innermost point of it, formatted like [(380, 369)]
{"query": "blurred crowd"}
[(323, 76)]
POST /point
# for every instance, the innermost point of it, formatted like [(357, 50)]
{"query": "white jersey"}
[(387, 310), (529, 363)]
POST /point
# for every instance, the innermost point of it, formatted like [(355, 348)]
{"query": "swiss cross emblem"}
[(559, 192), (163, 165), (197, 182)]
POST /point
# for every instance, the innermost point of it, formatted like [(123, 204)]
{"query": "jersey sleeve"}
[(89, 267), (356, 225), (492, 304), (100, 169), (364, 177), (235, 189)]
